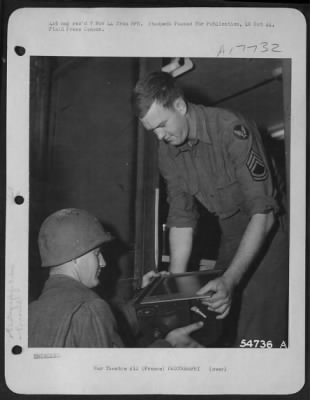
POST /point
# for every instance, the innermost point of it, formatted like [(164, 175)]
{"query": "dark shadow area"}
[(110, 274)]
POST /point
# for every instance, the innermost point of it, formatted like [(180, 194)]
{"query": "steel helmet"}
[(68, 234)]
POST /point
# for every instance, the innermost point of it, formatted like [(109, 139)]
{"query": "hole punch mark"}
[(20, 50), (19, 200), (17, 350)]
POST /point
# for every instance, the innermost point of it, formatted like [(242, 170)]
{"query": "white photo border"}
[(82, 371)]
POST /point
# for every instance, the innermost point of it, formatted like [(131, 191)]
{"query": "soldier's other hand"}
[(149, 276), (180, 337)]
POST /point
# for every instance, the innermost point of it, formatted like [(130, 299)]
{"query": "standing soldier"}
[(217, 157)]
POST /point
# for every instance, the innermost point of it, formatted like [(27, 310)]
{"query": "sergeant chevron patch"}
[(256, 166)]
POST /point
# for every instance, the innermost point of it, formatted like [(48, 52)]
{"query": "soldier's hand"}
[(180, 337), (219, 293), (149, 276)]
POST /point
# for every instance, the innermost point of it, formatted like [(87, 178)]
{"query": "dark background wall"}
[(90, 149)]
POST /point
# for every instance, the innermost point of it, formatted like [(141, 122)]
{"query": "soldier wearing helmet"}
[(68, 313)]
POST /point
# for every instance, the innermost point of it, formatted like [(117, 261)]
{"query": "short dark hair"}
[(157, 86)]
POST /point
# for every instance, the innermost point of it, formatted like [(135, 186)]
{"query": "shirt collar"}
[(61, 280), (197, 129)]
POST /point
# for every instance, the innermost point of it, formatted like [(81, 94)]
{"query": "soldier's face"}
[(168, 124), (89, 268)]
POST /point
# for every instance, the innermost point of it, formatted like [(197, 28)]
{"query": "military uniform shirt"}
[(68, 314), (224, 167)]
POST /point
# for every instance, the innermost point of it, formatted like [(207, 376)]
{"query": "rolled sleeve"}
[(251, 168), (182, 210)]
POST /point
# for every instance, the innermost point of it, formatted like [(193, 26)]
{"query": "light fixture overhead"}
[(279, 135), (178, 66), (277, 131)]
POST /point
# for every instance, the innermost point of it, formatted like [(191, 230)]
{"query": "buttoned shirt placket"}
[(198, 159)]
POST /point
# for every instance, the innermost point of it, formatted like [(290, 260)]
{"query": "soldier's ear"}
[(180, 105)]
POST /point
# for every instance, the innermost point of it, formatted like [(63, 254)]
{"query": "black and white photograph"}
[(158, 203), (226, 257)]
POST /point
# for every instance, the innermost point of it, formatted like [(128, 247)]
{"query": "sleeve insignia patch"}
[(257, 167), (241, 132)]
